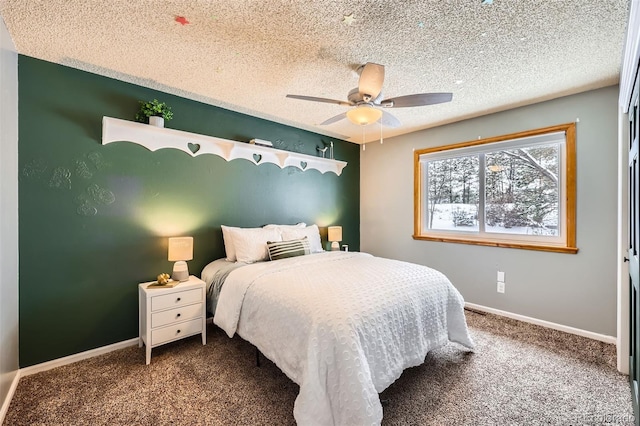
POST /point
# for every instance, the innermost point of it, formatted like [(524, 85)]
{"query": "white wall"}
[(8, 216), (572, 290)]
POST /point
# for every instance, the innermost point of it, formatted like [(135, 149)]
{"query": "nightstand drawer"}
[(176, 299), (183, 313), (176, 331)]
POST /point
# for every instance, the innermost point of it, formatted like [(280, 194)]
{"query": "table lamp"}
[(180, 250), (335, 236)]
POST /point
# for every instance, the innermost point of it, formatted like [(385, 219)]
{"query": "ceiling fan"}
[(368, 100)]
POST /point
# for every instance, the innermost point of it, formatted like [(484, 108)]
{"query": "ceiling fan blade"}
[(334, 119), (371, 79), (419, 99), (389, 120), (314, 99)]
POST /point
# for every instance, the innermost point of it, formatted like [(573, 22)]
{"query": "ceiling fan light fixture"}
[(369, 101), (363, 115)]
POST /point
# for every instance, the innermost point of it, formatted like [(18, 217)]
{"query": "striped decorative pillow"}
[(291, 248)]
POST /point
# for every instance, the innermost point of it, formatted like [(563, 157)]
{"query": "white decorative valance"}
[(154, 138)]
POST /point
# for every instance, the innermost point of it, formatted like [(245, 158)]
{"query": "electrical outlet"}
[(501, 276), (500, 287)]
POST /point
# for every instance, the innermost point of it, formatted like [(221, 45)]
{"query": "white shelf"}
[(154, 138)]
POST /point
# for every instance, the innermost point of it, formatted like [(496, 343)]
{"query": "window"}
[(514, 190)]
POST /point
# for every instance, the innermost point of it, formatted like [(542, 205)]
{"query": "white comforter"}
[(342, 325)]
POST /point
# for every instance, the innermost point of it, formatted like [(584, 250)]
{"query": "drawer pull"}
[(178, 299), (178, 331), (178, 315)]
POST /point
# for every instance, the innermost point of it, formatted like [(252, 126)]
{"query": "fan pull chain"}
[(364, 146), (381, 140)]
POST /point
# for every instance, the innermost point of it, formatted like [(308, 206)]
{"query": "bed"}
[(342, 325)]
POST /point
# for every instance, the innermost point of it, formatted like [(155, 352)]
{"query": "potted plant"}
[(155, 112)]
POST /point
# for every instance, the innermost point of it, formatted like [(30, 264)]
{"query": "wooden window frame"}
[(568, 191)]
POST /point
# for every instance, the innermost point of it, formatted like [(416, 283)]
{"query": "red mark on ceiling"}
[(182, 20)]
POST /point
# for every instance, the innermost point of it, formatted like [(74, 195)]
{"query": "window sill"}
[(503, 244)]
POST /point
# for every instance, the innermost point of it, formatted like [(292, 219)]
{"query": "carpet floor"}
[(520, 374)]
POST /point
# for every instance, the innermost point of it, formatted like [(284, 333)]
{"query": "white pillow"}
[(228, 242), (251, 243), (311, 232), (297, 225)]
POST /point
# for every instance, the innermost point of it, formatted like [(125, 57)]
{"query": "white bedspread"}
[(342, 325)]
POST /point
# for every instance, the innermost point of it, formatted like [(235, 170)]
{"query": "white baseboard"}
[(9, 397), (77, 357), (584, 333)]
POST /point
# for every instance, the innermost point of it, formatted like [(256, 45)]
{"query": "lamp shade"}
[(364, 114), (335, 233), (180, 248)]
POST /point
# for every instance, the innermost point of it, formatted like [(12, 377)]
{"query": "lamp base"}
[(180, 271), (335, 246)]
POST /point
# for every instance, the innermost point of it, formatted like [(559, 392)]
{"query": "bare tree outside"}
[(521, 191), (453, 186)]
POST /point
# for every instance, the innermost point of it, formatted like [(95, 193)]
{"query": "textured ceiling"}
[(246, 55)]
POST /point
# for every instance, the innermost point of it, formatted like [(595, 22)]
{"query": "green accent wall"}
[(94, 219)]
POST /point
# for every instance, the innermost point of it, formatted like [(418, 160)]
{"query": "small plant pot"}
[(156, 121)]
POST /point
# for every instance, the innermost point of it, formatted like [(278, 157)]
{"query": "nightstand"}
[(170, 314)]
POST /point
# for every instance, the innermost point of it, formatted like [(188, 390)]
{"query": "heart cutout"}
[(303, 164), (257, 158), (193, 147)]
